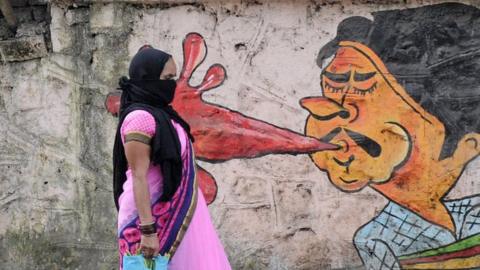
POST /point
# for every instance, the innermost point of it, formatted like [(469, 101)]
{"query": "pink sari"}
[(185, 230)]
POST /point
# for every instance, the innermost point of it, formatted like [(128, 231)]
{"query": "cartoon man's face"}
[(365, 111)]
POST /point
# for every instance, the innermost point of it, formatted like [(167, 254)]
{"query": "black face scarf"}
[(145, 91)]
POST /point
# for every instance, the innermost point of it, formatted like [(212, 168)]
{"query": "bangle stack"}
[(148, 229)]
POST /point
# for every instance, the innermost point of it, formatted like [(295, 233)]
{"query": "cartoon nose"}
[(323, 108)]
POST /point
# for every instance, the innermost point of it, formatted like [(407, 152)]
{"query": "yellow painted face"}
[(380, 129)]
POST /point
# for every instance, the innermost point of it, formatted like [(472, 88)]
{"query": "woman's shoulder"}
[(138, 114), (139, 121)]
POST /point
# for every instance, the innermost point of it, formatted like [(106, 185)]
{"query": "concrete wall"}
[(271, 210)]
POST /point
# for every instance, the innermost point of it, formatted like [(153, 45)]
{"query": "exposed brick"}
[(76, 16), (22, 49), (104, 17), (32, 29), (2, 102), (38, 2), (291, 199), (19, 3), (23, 14), (39, 13), (61, 34), (5, 32), (249, 190)]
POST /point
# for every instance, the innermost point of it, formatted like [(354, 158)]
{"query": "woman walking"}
[(161, 209)]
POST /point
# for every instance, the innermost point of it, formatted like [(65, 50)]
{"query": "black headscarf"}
[(145, 91)]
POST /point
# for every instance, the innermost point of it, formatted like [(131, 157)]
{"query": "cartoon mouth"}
[(348, 181)]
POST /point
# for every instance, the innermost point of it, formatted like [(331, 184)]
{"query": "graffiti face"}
[(379, 128), (408, 139)]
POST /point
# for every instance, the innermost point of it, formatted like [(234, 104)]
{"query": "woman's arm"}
[(138, 157)]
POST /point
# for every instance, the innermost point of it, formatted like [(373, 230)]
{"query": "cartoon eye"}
[(334, 89), (362, 92)]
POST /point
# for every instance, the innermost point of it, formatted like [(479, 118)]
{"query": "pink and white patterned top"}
[(138, 121)]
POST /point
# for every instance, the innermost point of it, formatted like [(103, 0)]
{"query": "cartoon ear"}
[(194, 52), (207, 184), (468, 148), (214, 77)]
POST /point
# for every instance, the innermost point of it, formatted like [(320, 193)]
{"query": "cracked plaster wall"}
[(274, 212)]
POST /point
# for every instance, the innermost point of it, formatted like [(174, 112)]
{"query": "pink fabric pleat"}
[(201, 248)]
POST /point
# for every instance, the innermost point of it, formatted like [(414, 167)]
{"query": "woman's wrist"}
[(149, 228), (147, 218)]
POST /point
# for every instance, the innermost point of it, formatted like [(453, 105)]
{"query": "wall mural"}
[(220, 133), (402, 97), (401, 102)]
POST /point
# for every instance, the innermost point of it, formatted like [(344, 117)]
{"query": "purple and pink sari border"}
[(183, 215)]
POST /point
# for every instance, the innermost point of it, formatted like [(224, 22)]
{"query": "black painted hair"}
[(434, 52)]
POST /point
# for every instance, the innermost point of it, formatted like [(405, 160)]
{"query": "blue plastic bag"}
[(137, 262)]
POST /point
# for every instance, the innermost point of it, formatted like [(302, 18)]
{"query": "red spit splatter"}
[(220, 133)]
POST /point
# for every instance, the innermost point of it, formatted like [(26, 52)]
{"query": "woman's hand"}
[(149, 245)]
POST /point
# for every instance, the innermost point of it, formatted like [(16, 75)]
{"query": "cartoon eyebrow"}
[(360, 77), (338, 77)]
